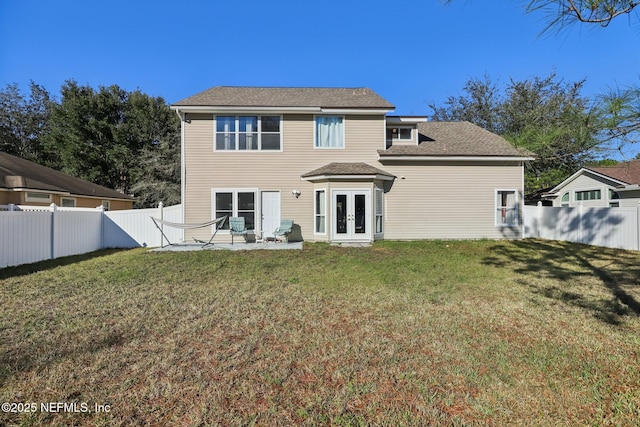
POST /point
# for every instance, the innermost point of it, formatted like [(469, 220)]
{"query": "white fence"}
[(134, 228), (30, 234), (610, 227)]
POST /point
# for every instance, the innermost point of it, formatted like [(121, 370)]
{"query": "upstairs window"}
[(248, 133), (329, 132), (565, 199), (399, 134)]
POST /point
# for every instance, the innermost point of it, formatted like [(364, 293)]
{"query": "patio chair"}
[(285, 228), (237, 227)]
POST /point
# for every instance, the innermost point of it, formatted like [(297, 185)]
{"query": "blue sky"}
[(412, 52)]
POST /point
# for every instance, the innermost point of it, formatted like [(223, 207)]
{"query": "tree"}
[(23, 121), (566, 12), (117, 139), (543, 115)]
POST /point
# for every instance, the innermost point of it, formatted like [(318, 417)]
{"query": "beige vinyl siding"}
[(445, 200), (586, 182), (270, 171)]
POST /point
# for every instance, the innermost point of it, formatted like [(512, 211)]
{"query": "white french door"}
[(351, 215), (270, 206)]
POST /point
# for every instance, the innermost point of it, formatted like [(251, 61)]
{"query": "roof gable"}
[(235, 96), (17, 173), (596, 176)]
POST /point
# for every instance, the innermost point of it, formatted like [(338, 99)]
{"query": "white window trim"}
[(237, 133), (316, 215), (28, 198), (315, 132), (62, 199), (496, 207), (234, 212)]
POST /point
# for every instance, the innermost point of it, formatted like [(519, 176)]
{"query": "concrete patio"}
[(269, 246)]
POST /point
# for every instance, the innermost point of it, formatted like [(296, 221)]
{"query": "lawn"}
[(400, 333)]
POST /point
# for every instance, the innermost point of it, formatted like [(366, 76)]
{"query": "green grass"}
[(412, 333)]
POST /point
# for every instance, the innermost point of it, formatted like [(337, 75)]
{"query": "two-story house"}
[(336, 162)]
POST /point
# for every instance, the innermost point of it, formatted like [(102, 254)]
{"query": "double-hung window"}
[(245, 133), (329, 132), (236, 202), (506, 207)]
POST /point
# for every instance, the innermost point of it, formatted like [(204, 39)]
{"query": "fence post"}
[(12, 207), (539, 221), (161, 209), (580, 212), (102, 236), (53, 208)]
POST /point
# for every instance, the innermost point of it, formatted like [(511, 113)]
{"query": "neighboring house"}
[(611, 186), (332, 160), (26, 183)]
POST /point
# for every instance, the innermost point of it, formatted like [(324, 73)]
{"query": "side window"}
[(320, 212), (506, 207)]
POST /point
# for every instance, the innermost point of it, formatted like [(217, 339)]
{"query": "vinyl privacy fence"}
[(617, 227), (30, 234)]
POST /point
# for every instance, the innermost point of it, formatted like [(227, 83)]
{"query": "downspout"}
[(183, 170)]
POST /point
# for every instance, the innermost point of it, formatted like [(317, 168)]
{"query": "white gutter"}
[(452, 158), (271, 110)]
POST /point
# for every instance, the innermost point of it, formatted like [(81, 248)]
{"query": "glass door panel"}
[(341, 214), (360, 208)]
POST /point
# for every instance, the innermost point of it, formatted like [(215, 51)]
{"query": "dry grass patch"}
[(462, 333)]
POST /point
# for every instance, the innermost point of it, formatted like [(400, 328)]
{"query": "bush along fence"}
[(30, 234), (617, 227)]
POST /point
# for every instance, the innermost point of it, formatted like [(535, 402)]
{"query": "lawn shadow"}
[(26, 269), (573, 267)]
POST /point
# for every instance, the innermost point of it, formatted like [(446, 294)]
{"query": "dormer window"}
[(399, 134)]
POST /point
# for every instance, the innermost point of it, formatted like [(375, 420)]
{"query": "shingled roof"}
[(17, 173), (235, 96), (342, 169), (455, 139), (627, 172)]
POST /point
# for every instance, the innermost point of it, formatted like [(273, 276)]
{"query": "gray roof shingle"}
[(628, 172), (357, 168), (455, 139), (17, 173), (236, 96)]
